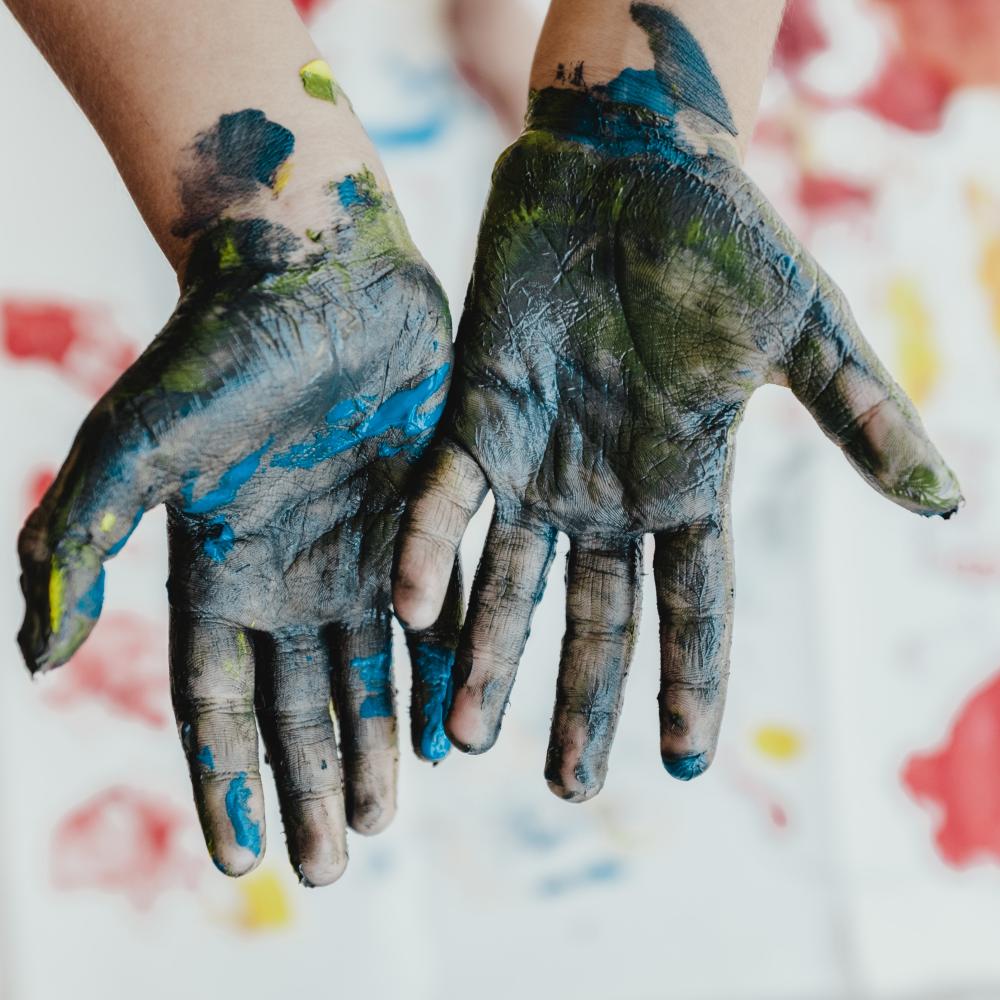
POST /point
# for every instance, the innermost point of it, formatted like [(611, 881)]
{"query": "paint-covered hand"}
[(277, 416), (632, 289)]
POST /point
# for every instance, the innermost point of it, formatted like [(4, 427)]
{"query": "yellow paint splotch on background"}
[(989, 278), (919, 361), (778, 742), (264, 903)]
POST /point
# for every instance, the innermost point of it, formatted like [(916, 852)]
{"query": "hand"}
[(277, 415), (632, 288)]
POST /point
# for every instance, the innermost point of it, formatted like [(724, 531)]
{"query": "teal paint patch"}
[(433, 665), (219, 540), (206, 759), (246, 830), (374, 674), (92, 600)]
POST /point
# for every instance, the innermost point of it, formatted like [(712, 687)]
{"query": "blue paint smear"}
[(400, 411), (347, 192), (374, 673), (205, 758), (92, 600), (599, 872), (229, 483), (643, 87), (247, 831), (434, 666), (222, 539), (407, 136), (120, 544)]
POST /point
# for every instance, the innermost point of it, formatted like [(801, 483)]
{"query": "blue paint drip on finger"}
[(245, 829), (206, 759), (434, 669)]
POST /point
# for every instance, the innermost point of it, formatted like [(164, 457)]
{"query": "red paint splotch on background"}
[(963, 780), (78, 340), (125, 841), (309, 8), (120, 666), (822, 194), (908, 93), (801, 37), (39, 480)]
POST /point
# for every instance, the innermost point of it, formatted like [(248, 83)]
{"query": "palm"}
[(278, 416), (629, 296)]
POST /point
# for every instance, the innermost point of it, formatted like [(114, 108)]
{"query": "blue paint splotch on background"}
[(600, 872), (419, 133), (247, 830), (230, 482), (374, 674), (206, 759), (401, 411), (434, 669), (92, 600), (220, 539)]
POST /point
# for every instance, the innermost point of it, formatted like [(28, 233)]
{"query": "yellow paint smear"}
[(55, 598), (281, 176), (919, 361), (264, 903), (989, 277), (108, 521), (778, 742)]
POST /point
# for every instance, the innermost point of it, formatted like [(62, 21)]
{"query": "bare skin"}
[(632, 289), (277, 415)]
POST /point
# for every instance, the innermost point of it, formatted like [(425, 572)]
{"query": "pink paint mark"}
[(38, 482), (801, 37), (826, 194), (124, 841), (80, 341), (908, 93), (122, 667), (309, 8), (961, 779)]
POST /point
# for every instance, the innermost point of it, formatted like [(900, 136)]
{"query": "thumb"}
[(86, 517), (835, 373)]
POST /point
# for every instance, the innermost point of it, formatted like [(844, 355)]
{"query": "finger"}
[(293, 706), (212, 678), (693, 572), (452, 488), (508, 586), (85, 518), (836, 374), (432, 654), (366, 713), (603, 600)]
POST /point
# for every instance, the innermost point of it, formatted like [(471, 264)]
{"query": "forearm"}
[(591, 42), (153, 75)]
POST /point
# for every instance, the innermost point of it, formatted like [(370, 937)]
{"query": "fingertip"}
[(371, 816), (573, 784), (466, 725), (686, 767), (318, 872), (416, 602), (235, 861)]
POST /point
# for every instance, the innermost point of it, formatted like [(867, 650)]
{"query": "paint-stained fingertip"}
[(931, 490), (238, 864), (688, 767), (315, 876), (415, 607), (434, 745)]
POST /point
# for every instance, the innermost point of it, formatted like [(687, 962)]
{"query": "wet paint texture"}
[(278, 415), (632, 288)]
